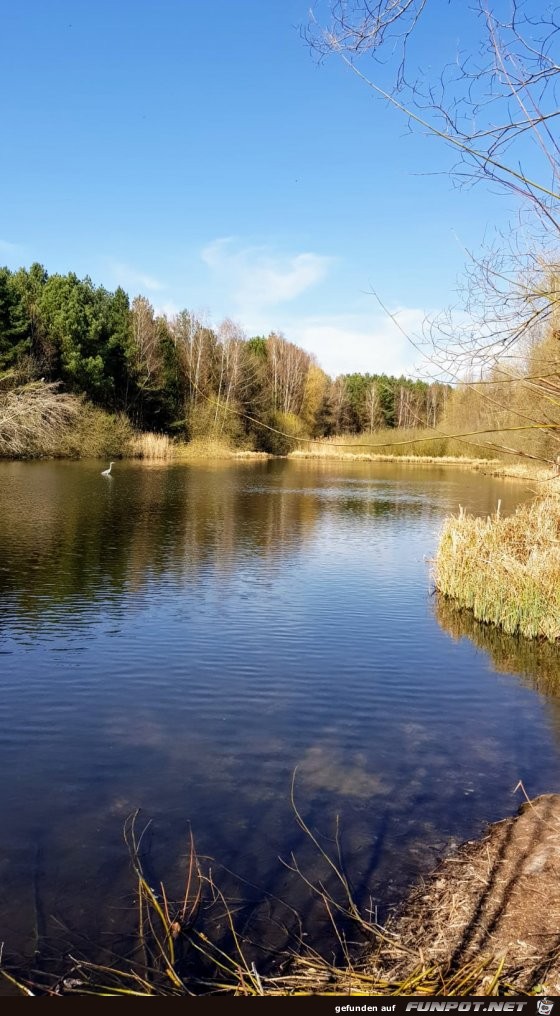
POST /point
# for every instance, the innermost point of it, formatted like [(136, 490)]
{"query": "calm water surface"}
[(180, 639)]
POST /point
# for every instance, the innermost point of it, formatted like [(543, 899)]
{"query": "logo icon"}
[(544, 1006)]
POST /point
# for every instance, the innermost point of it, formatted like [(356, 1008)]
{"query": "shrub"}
[(280, 439)]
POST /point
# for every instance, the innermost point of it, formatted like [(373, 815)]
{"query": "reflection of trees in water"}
[(539, 662), (67, 534), (384, 507)]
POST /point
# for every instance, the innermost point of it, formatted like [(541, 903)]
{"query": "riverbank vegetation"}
[(389, 443), (506, 570)]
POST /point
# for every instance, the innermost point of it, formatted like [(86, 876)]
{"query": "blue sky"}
[(197, 153)]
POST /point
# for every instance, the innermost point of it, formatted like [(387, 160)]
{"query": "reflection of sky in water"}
[(181, 639)]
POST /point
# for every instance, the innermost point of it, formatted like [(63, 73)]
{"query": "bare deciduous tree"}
[(196, 343), (147, 359), (496, 106), (374, 414), (289, 366)]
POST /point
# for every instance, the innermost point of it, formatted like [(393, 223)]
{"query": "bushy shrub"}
[(217, 420), (280, 439), (98, 434), (35, 417)]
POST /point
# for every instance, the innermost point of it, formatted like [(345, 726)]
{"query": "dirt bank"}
[(493, 903)]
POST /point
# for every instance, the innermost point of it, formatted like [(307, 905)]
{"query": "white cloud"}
[(255, 277), (258, 286), (356, 342), (130, 278), (168, 308)]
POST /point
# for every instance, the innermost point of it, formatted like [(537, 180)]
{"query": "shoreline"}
[(209, 452), (505, 569), (493, 904), (484, 922)]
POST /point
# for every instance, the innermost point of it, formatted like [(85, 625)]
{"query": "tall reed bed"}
[(153, 447), (391, 442), (506, 570)]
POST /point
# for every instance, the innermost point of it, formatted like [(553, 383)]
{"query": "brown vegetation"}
[(35, 418), (152, 447), (495, 905), (506, 570), (423, 444)]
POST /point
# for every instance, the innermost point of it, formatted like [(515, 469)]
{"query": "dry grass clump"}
[(529, 471), (152, 446), (387, 443), (34, 418), (205, 448), (506, 570)]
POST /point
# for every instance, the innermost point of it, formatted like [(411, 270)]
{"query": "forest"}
[(63, 338)]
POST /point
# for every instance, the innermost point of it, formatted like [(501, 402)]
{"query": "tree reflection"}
[(69, 539), (537, 662)]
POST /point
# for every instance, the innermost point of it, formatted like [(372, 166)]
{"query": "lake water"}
[(181, 640)]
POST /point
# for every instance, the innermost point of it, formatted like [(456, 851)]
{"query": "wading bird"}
[(107, 472)]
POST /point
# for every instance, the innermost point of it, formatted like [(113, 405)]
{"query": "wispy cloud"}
[(6, 247), (128, 277), (257, 277), (258, 286)]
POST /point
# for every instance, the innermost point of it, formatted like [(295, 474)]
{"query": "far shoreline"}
[(498, 468), (210, 451)]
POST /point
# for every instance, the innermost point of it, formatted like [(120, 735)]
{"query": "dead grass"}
[(525, 471), (205, 448), (153, 447), (450, 460), (506, 570), (390, 442), (494, 904)]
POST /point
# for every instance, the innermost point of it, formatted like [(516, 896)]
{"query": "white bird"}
[(107, 472)]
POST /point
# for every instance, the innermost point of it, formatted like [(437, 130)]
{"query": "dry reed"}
[(205, 448), (506, 570), (385, 444), (152, 446)]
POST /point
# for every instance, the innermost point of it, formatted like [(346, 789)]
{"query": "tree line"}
[(182, 375)]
